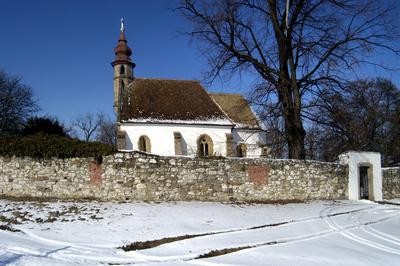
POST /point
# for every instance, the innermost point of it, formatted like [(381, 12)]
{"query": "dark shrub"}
[(44, 125), (48, 146)]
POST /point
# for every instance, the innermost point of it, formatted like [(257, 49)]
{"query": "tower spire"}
[(122, 51)]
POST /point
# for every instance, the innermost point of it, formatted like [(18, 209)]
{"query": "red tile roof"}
[(158, 100)]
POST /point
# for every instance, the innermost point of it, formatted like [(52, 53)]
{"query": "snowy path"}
[(329, 233)]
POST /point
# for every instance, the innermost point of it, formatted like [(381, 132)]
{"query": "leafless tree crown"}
[(16, 103), (88, 124), (296, 54)]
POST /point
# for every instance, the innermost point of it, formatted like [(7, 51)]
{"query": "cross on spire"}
[(122, 25)]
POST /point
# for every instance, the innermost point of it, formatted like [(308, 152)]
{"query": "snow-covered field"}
[(90, 233)]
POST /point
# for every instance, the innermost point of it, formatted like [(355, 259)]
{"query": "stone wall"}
[(391, 182), (134, 176)]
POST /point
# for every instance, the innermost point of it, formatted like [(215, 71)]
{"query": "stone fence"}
[(391, 182), (137, 177)]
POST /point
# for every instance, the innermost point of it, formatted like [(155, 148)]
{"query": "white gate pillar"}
[(355, 159)]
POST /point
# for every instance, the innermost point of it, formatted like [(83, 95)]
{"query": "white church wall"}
[(252, 138), (162, 137)]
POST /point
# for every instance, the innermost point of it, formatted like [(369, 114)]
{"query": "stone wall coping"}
[(149, 155), (391, 168), (353, 151), (224, 158)]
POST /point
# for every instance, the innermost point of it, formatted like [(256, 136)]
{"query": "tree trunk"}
[(295, 135), (291, 104)]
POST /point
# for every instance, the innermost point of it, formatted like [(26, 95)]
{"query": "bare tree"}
[(294, 47), (364, 116), (16, 103), (107, 132), (88, 124)]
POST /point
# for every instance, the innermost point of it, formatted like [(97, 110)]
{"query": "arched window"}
[(144, 144), (122, 70), (242, 150), (204, 145)]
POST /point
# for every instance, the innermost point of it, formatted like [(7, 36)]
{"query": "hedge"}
[(50, 146)]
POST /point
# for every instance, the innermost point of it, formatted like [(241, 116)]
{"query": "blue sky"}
[(63, 49)]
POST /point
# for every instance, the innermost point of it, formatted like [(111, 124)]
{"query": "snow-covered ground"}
[(90, 233)]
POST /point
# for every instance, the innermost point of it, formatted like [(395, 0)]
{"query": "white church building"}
[(179, 117)]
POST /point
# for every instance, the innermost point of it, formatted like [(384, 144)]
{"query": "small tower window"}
[(121, 95), (122, 70)]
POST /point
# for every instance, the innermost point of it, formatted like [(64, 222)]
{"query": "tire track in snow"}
[(328, 214), (334, 229), (345, 231), (114, 257), (384, 234), (378, 234), (143, 245)]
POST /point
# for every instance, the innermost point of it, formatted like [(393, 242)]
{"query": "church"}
[(179, 117)]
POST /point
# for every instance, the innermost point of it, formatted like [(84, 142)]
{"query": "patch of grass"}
[(50, 220), (39, 220), (274, 202), (5, 227), (44, 200), (94, 217), (388, 202), (267, 225), (8, 220), (154, 243), (37, 200), (73, 209), (20, 215), (220, 252)]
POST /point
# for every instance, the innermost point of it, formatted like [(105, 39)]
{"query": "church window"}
[(178, 143), (144, 144), (122, 70), (204, 145)]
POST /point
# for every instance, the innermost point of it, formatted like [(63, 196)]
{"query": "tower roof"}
[(122, 50)]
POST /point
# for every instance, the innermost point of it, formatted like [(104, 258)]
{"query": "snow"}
[(206, 121), (89, 233)]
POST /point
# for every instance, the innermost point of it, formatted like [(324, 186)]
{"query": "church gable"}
[(170, 101), (237, 109)]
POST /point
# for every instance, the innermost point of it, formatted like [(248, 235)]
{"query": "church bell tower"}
[(123, 70)]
